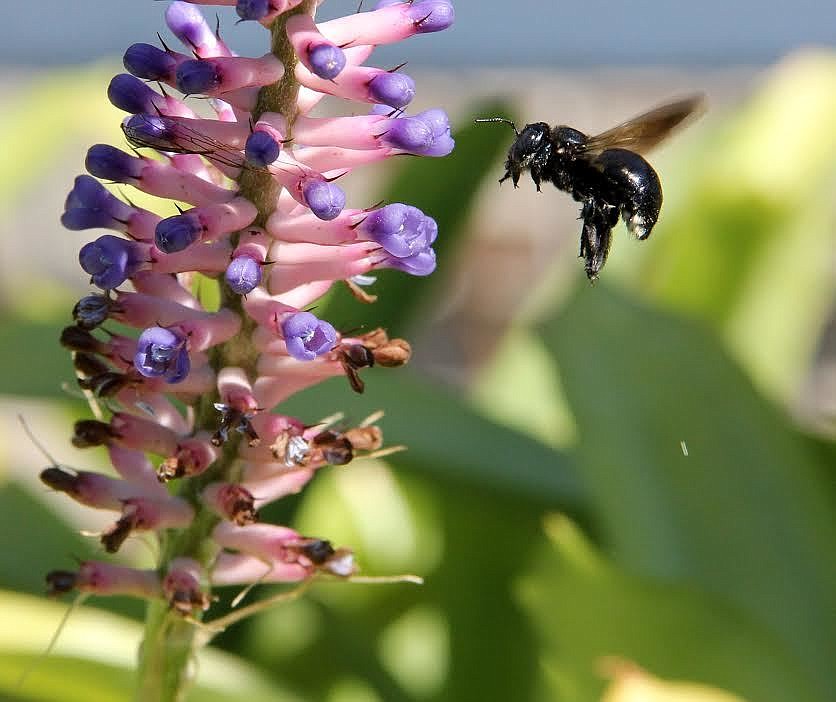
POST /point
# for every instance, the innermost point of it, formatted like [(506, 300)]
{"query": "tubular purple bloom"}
[(87, 192), (432, 15), (162, 353), (421, 263), (243, 274), (437, 120), (326, 200), (409, 133), (326, 60), (261, 149), (402, 230), (252, 9), (178, 232), (441, 146), (424, 134), (110, 260), (89, 205), (188, 24), (307, 337), (430, 230), (393, 89), (108, 162), (386, 221), (196, 76), (130, 94), (149, 62)]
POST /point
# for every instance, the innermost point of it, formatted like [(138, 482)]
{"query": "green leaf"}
[(444, 189), (696, 478), (94, 658), (53, 544), (587, 610), (34, 363)]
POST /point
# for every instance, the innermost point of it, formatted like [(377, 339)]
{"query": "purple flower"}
[(326, 60), (162, 353), (436, 119), (196, 76), (108, 162), (110, 260), (441, 146), (252, 9), (421, 263), (130, 94), (432, 15), (393, 89), (326, 200), (424, 134), (89, 205), (261, 149), (149, 62), (402, 230), (243, 274), (410, 134), (307, 337), (188, 24), (178, 232)]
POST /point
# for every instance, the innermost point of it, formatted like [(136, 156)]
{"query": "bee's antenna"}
[(499, 119)]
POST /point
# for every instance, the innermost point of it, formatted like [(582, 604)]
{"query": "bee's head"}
[(532, 143)]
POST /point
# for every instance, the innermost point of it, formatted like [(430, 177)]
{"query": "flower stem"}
[(170, 641)]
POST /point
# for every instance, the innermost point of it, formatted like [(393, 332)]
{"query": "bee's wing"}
[(188, 141), (645, 131)]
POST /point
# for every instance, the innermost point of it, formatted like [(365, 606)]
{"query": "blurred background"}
[(620, 491)]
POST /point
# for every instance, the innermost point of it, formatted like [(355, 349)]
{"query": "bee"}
[(605, 173)]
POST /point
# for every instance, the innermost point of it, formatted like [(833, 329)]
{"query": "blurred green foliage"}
[(671, 514)]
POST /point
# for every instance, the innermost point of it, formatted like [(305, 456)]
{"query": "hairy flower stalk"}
[(261, 212)]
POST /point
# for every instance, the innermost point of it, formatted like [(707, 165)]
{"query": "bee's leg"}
[(596, 235), (610, 214), (536, 177), (596, 261), (586, 229)]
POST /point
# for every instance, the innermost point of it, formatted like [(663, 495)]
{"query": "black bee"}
[(605, 173)]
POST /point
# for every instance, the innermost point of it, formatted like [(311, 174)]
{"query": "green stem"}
[(169, 641)]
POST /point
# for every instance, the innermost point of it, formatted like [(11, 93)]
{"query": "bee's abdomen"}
[(633, 187)]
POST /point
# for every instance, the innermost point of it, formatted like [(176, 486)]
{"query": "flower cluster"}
[(260, 211)]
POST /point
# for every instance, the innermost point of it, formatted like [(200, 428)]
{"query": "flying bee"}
[(605, 173)]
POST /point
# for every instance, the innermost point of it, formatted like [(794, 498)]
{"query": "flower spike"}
[(185, 390)]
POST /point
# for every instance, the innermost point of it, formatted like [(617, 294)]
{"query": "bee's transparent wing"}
[(187, 141), (645, 131)]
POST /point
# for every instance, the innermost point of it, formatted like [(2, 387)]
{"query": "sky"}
[(487, 32)]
